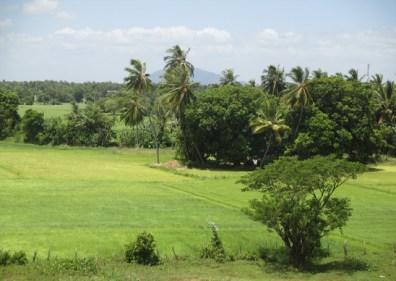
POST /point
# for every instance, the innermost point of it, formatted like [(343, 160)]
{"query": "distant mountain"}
[(201, 76)]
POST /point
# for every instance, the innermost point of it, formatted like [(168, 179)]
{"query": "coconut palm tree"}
[(178, 58), (384, 97), (137, 79), (178, 92), (270, 122), (139, 82), (317, 74), (353, 75), (133, 114), (297, 96), (228, 77), (273, 80)]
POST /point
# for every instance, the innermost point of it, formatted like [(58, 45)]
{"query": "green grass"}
[(93, 201), (49, 111)]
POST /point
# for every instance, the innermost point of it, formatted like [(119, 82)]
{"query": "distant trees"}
[(9, 117), (57, 92), (298, 201)]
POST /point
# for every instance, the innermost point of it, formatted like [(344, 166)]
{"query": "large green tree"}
[(349, 104), (217, 123), (298, 201)]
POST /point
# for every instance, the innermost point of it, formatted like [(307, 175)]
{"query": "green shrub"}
[(18, 258), (215, 249), (142, 250)]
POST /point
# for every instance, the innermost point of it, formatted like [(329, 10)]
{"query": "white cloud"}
[(5, 23), (40, 6), (128, 35), (51, 7)]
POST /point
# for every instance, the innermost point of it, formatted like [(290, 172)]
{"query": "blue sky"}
[(94, 40)]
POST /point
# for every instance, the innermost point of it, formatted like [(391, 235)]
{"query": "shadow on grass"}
[(277, 260), (374, 169)]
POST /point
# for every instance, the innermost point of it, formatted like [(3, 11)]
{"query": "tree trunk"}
[(157, 152), (266, 151)]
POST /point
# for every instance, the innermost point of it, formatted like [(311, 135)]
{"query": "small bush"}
[(18, 258), (215, 249), (142, 251)]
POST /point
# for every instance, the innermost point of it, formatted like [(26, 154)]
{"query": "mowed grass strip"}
[(94, 200)]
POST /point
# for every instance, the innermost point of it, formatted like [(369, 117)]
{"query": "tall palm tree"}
[(385, 94), (273, 80), (228, 77), (270, 122), (139, 82), (178, 93), (178, 58), (137, 78), (297, 96)]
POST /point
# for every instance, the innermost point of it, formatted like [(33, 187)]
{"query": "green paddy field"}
[(93, 201)]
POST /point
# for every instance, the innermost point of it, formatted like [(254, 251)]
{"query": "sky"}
[(89, 40)]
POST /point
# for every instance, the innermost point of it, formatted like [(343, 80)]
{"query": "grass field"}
[(93, 201)]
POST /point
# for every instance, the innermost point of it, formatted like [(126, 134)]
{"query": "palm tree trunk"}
[(298, 122), (155, 136), (266, 151)]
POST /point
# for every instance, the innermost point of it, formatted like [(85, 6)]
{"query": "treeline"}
[(298, 113), (57, 92)]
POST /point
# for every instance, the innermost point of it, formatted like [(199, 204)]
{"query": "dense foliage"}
[(291, 113), (217, 124), (32, 125), (298, 202)]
